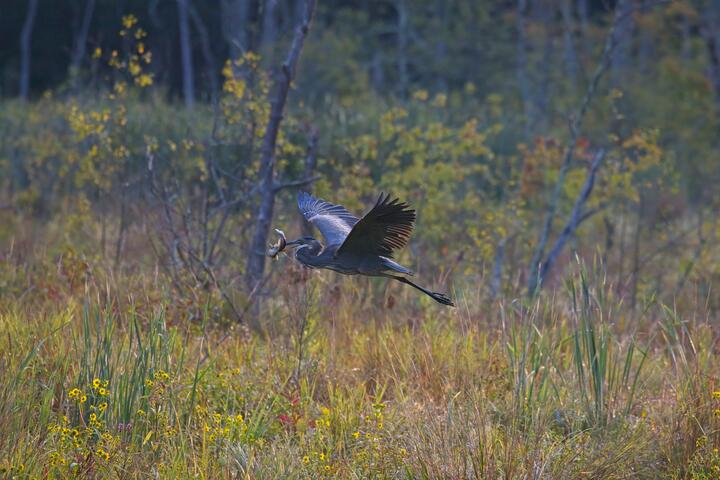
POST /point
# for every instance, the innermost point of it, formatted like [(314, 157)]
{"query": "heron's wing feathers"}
[(333, 221), (385, 228)]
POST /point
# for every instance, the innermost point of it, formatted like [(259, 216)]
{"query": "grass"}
[(113, 381)]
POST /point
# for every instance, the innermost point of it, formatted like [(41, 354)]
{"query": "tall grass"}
[(560, 387)]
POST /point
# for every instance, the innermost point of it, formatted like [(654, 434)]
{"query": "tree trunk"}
[(575, 125), (210, 63), (269, 25), (402, 41), (712, 43), (186, 54), (583, 11), (571, 62), (625, 27), (255, 266), (235, 22), (25, 48), (521, 66), (81, 41)]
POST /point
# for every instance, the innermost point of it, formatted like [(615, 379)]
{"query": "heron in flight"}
[(357, 246)]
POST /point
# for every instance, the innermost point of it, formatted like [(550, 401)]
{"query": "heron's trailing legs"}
[(438, 297)]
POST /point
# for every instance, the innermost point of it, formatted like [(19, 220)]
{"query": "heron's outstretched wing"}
[(333, 221), (383, 229)]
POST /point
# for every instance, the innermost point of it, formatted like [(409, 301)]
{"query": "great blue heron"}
[(357, 246)]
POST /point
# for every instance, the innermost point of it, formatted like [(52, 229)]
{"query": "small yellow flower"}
[(144, 80), (716, 394), (83, 399), (420, 95), (356, 435), (103, 454), (93, 417), (103, 406), (96, 383), (327, 468), (322, 456), (129, 20), (306, 459), (148, 383)]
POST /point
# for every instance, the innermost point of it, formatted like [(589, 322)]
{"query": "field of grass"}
[(105, 376)]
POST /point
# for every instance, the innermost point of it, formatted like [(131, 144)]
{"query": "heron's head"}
[(310, 243)]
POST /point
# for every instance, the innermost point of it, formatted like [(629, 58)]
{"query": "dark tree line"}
[(390, 45)]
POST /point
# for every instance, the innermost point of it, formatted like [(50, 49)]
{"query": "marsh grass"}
[(567, 385)]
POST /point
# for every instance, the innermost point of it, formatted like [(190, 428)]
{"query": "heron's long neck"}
[(309, 255)]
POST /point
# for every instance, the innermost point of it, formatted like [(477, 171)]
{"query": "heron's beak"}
[(294, 243)]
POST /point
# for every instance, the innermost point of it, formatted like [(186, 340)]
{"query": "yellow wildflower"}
[(129, 20)]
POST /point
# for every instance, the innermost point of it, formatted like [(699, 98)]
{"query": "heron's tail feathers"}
[(438, 297), (396, 267)]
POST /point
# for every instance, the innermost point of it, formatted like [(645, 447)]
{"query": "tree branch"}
[(256, 256), (574, 126), (576, 217)]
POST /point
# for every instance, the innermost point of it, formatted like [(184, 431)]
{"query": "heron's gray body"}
[(350, 263), (359, 246)]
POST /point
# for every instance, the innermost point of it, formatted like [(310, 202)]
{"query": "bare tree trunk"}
[(269, 25), (583, 11), (712, 43), (235, 21), (402, 43), (211, 64), (25, 48), (625, 27), (376, 72), (186, 54), (543, 90), (81, 41), (575, 126), (255, 266), (571, 61), (521, 66), (576, 217)]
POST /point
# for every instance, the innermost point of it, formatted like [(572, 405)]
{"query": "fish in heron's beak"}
[(281, 245), (278, 247)]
